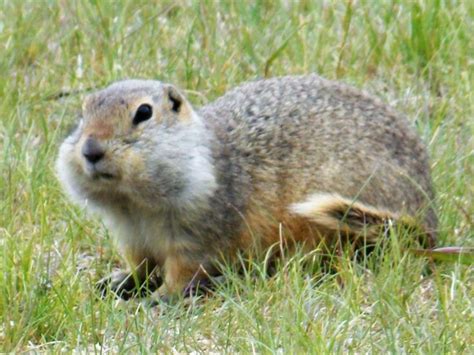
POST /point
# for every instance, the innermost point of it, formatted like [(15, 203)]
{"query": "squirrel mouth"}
[(96, 174), (102, 176)]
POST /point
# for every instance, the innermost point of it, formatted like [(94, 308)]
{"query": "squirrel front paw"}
[(126, 285), (200, 288)]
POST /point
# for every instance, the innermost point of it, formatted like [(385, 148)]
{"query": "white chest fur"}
[(153, 235)]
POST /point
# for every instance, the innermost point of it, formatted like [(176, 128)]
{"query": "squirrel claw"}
[(202, 287), (124, 285)]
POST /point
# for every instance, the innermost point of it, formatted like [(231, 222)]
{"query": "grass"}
[(416, 55)]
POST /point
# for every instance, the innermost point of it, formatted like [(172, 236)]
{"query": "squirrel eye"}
[(144, 112)]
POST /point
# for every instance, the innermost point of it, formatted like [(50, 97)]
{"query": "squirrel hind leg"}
[(336, 214)]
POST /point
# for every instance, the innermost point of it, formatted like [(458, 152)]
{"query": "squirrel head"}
[(138, 142)]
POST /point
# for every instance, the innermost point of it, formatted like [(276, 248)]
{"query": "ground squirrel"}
[(298, 157)]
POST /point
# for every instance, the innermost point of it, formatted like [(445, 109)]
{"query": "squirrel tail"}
[(336, 214)]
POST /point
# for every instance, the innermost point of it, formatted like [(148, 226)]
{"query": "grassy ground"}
[(416, 55)]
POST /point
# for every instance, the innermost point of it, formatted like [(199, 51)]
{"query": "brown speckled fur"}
[(271, 159)]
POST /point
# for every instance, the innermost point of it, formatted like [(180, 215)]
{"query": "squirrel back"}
[(298, 137)]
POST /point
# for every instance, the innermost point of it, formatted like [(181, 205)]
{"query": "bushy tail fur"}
[(352, 219)]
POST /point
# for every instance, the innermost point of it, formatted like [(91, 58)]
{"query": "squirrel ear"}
[(176, 103), (174, 98)]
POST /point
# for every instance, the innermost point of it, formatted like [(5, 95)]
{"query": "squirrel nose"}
[(92, 150)]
